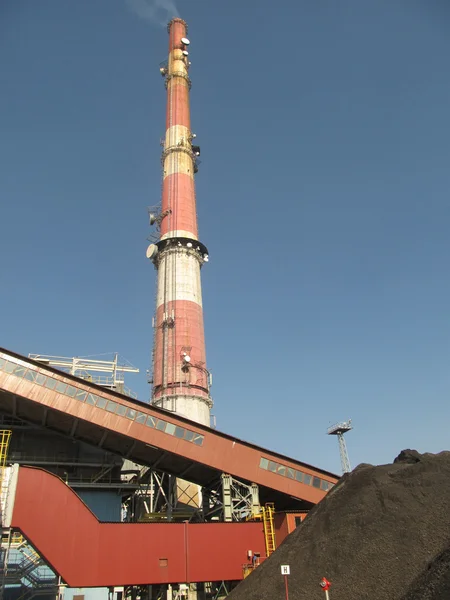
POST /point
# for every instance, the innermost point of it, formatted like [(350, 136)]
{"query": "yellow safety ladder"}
[(5, 436), (266, 516), (5, 534), (269, 531)]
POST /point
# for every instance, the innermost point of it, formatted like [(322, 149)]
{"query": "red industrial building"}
[(99, 490)]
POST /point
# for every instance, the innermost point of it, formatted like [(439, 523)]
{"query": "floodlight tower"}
[(339, 430)]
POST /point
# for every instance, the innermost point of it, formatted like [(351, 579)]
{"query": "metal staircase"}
[(24, 573)]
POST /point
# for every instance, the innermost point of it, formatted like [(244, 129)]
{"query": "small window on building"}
[(316, 482), (170, 428), (30, 375), (179, 432), (141, 418), (111, 406), (281, 470), (61, 387), (151, 422), (290, 473), (121, 410), (100, 402), (71, 391), (189, 435), (80, 395), (307, 479), (273, 466), (10, 366), (2, 363), (264, 463), (161, 425), (131, 414), (50, 383), (40, 379), (298, 521), (299, 476), (19, 371), (198, 440), (90, 399)]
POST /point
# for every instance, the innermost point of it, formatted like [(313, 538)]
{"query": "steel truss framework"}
[(214, 591), (158, 498)]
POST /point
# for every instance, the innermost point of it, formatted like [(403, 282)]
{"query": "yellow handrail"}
[(5, 436)]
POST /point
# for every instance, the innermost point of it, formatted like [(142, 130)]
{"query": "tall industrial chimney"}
[(180, 377)]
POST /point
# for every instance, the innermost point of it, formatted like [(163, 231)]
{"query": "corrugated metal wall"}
[(105, 505)]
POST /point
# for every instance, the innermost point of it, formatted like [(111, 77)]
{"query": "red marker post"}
[(285, 571), (325, 585)]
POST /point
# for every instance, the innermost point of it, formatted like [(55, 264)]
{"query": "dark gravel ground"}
[(378, 535)]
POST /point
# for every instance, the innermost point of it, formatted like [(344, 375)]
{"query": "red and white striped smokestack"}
[(180, 377)]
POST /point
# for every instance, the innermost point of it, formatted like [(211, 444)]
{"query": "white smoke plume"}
[(156, 11)]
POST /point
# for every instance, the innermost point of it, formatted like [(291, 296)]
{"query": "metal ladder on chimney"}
[(165, 326)]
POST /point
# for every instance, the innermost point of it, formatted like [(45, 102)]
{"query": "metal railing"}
[(5, 436), (25, 568)]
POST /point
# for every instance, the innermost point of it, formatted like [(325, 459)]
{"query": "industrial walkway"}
[(151, 436)]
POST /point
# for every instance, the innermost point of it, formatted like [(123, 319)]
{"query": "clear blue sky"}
[(323, 197)]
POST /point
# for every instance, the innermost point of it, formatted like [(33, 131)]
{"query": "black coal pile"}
[(434, 583), (381, 534)]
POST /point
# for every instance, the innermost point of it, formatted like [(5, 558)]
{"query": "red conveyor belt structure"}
[(87, 553)]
